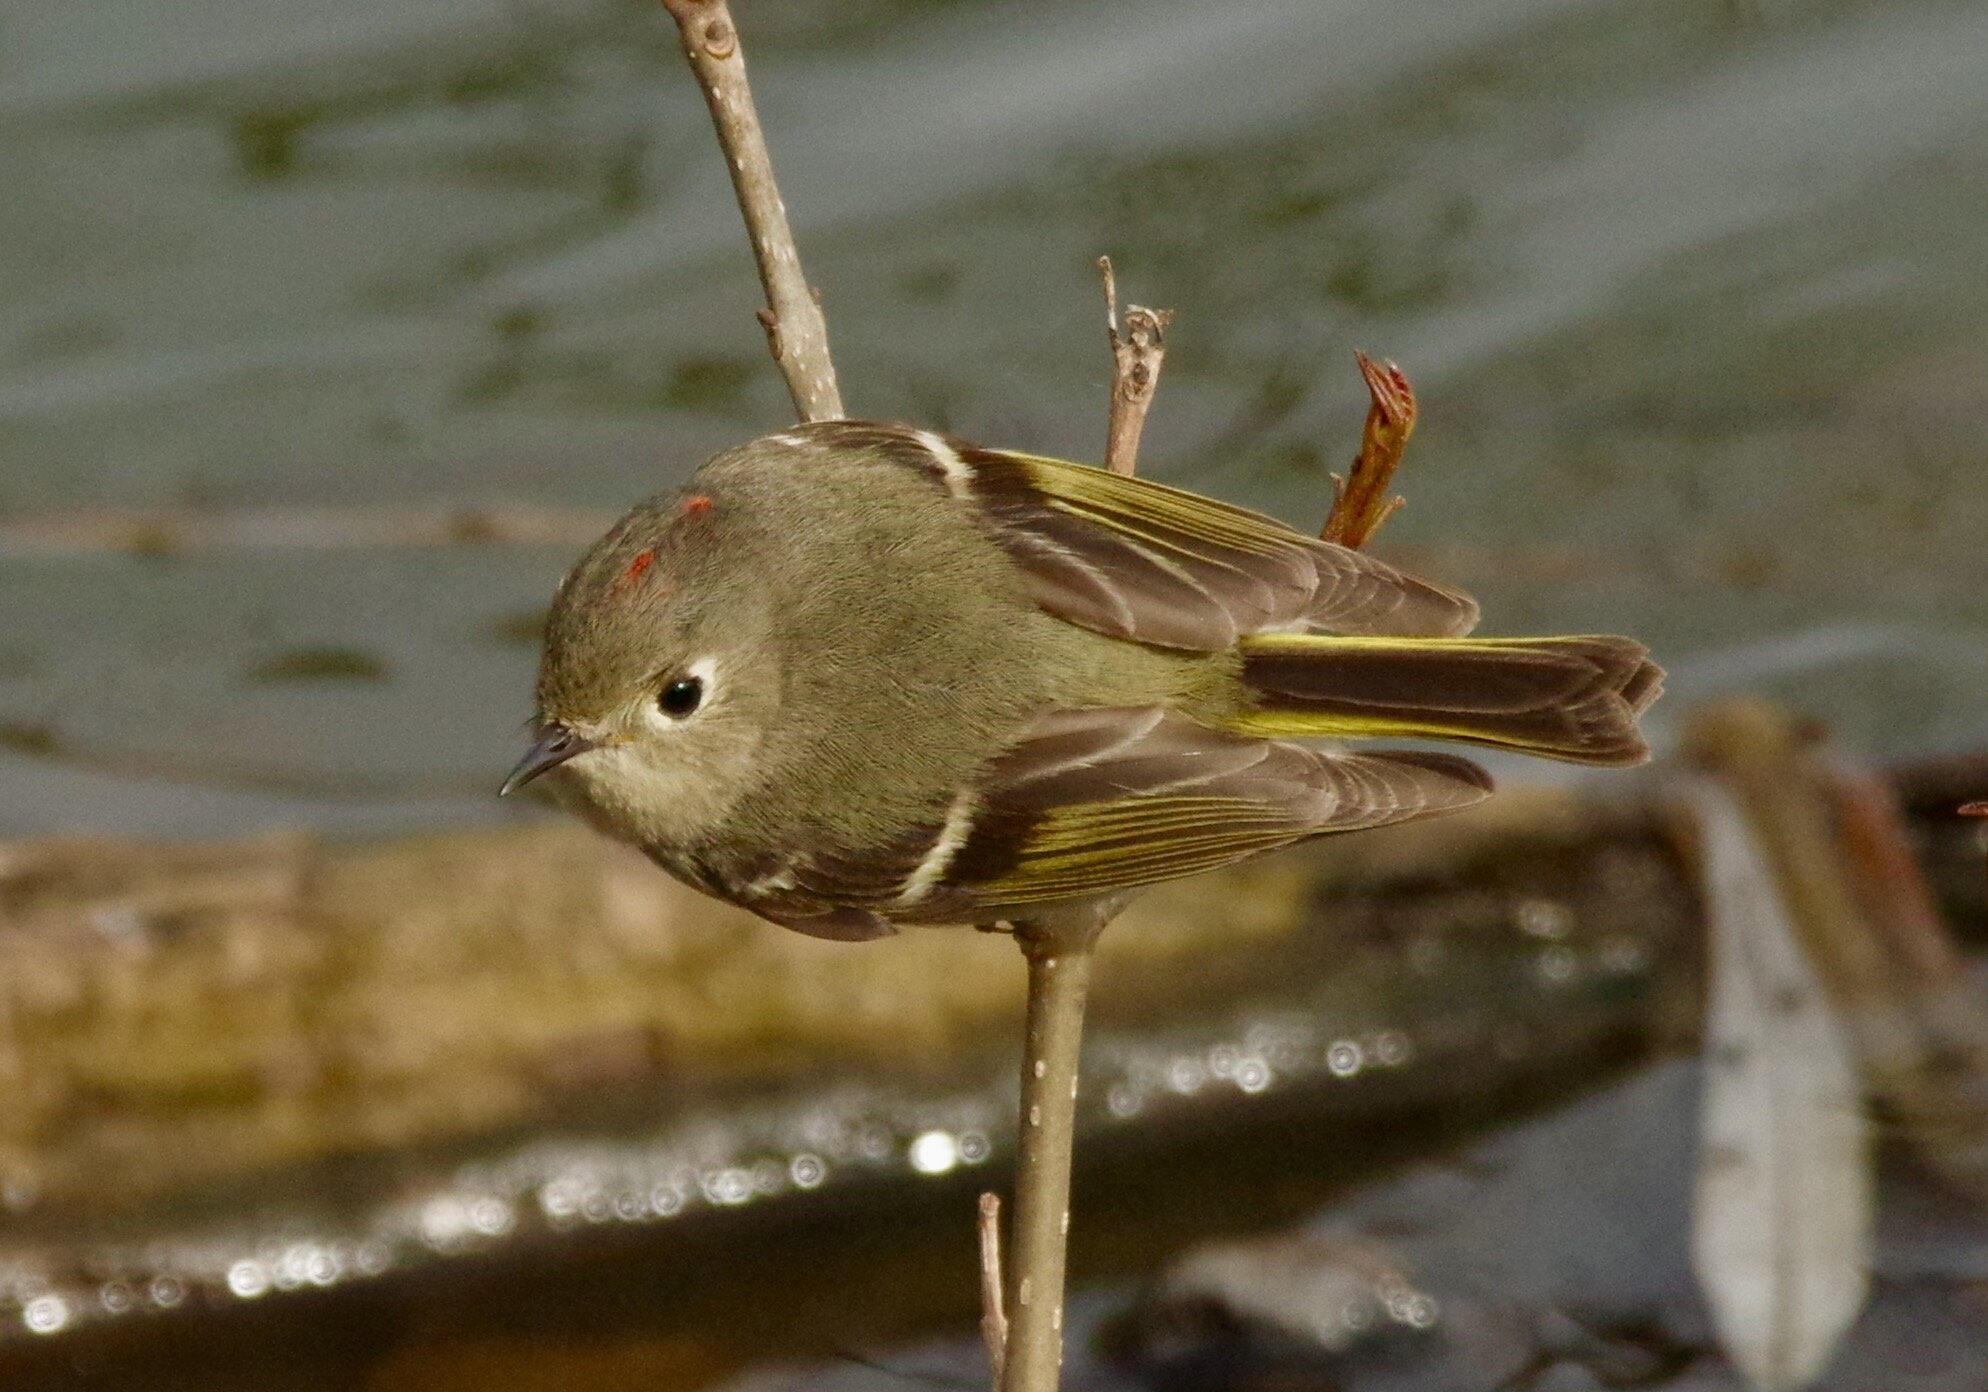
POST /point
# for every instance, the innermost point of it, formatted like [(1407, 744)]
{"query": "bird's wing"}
[(1093, 802), (1134, 559), (1096, 801)]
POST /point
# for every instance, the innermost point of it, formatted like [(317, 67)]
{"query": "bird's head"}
[(658, 676)]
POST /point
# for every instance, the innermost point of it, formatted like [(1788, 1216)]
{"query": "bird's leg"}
[(1059, 967)]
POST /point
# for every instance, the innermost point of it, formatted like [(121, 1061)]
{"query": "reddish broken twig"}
[(1360, 502)]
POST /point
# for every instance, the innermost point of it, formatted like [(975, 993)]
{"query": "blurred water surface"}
[(1691, 293)]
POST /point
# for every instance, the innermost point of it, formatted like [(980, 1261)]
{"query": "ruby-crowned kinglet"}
[(856, 675)]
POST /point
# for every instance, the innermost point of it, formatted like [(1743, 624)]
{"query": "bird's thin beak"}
[(553, 747)]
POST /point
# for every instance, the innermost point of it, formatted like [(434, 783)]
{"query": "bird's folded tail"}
[(1562, 698)]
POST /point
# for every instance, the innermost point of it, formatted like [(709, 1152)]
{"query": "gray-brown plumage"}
[(857, 675)]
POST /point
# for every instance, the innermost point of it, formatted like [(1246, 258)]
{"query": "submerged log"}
[(177, 1016)]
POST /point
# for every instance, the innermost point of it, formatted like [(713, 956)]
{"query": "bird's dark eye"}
[(682, 697)]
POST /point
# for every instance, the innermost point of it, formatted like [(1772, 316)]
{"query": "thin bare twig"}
[(1137, 353), (1059, 960), (1027, 1351), (796, 332), (993, 1310), (1030, 1347), (1360, 502)]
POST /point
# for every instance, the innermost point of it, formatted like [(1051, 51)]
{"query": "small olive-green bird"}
[(857, 675)]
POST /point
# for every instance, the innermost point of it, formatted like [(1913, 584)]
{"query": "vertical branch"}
[(1136, 353), (1025, 1340), (1360, 501), (1059, 963), (796, 332)]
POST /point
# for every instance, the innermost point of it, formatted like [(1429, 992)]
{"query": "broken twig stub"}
[(1137, 350), (796, 331), (993, 1303)]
